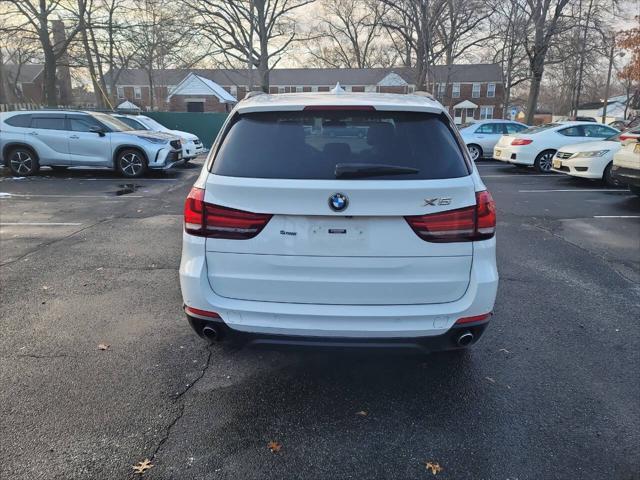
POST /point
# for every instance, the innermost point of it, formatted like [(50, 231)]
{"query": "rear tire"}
[(23, 162), (608, 179), (544, 161), (131, 163)]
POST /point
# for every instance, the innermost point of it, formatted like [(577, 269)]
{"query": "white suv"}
[(340, 219), (61, 139)]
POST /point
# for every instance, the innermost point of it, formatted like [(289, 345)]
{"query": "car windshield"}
[(153, 125), (332, 144), (111, 122), (133, 123), (540, 128)]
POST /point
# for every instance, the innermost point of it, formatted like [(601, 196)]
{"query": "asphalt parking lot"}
[(87, 258)]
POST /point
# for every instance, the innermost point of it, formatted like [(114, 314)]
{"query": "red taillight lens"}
[(521, 141), (213, 221), (202, 313), (626, 137), (475, 318), (462, 225)]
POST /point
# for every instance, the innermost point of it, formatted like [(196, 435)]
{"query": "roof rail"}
[(253, 93), (424, 93)]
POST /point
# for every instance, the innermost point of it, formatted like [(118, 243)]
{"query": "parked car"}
[(593, 160), (191, 144), (625, 124), (626, 164), (537, 145), (480, 137), (61, 139), (296, 238)]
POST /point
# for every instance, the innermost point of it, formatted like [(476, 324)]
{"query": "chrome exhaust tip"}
[(210, 333), (465, 339)]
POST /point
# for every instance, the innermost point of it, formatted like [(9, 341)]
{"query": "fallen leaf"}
[(434, 467), (362, 413), (142, 467), (504, 350), (274, 446), (490, 379), (103, 346)]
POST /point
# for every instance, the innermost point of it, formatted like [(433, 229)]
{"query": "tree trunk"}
[(3, 92), (50, 93), (534, 92)]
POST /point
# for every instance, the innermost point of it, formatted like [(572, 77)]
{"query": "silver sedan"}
[(480, 137)]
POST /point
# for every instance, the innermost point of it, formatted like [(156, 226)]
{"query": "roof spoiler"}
[(424, 93), (253, 93)]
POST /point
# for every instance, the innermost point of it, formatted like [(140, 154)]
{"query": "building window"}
[(475, 93), (486, 113), (471, 112), (281, 90), (455, 92), (441, 89), (491, 90), (137, 92), (120, 92)]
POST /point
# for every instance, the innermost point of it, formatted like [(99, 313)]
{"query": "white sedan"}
[(480, 137), (537, 146), (593, 160), (191, 144)]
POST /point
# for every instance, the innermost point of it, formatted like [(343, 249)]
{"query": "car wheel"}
[(186, 160), (475, 151), (635, 190), (23, 162), (544, 160), (608, 179), (58, 168), (131, 163)]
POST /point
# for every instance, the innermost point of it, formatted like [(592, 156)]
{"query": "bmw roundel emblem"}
[(338, 202)]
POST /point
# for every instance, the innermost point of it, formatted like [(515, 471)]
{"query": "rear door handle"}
[(75, 137)]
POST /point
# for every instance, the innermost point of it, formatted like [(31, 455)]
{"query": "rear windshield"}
[(309, 145), (540, 128)]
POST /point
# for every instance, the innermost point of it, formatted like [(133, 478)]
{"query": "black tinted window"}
[(83, 123), (48, 123), (309, 145), (19, 120)]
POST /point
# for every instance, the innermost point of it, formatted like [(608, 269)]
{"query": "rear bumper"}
[(339, 321), (629, 176), (517, 156), (434, 343)]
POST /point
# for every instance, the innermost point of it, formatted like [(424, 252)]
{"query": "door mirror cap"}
[(96, 129)]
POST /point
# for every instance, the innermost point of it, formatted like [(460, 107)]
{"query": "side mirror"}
[(97, 129)]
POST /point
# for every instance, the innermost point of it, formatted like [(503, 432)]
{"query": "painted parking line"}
[(616, 216), (40, 224), (576, 190), (516, 175), (28, 195)]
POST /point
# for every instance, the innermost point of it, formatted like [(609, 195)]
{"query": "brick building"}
[(25, 83), (471, 92)]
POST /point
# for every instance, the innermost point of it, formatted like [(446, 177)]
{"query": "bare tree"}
[(347, 34), (37, 16), (543, 16), (249, 32)]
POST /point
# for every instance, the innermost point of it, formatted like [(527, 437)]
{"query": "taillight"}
[(202, 313), (467, 224), (475, 318), (626, 137), (213, 221), (521, 141)]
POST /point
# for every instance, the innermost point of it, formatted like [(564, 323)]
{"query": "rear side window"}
[(23, 120), (48, 123), (514, 127), (309, 145), (576, 131), (490, 128)]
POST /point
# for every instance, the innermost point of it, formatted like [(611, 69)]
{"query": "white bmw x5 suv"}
[(340, 220)]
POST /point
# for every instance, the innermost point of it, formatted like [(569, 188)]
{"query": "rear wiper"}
[(363, 170)]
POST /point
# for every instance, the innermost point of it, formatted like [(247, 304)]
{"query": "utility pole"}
[(606, 88)]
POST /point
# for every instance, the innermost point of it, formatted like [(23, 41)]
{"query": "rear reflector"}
[(476, 318), (521, 141), (467, 224), (202, 313), (213, 221), (315, 108)]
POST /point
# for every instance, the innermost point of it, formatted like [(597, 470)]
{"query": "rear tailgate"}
[(309, 254)]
